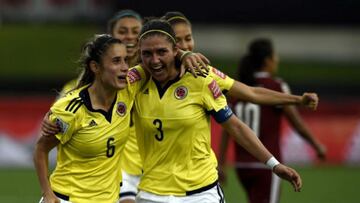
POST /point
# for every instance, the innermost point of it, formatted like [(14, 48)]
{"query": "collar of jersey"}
[(84, 94), (162, 90)]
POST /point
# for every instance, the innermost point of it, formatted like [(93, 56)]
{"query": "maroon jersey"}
[(264, 120)]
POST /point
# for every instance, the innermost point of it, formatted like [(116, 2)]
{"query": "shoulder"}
[(216, 72), (284, 86), (205, 84), (135, 74), (70, 103)]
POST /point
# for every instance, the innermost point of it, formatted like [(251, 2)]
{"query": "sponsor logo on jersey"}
[(133, 75), (215, 89), (181, 92), (219, 73), (63, 126), (121, 109), (92, 123)]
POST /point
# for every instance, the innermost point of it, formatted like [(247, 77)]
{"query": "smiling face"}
[(113, 67), (127, 29), (184, 36), (158, 57)]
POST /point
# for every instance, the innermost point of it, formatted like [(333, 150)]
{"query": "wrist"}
[(186, 53), (299, 100), (272, 162)]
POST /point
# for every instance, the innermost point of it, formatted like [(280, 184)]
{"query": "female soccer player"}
[(258, 68), (229, 86), (126, 25), (94, 124), (172, 121)]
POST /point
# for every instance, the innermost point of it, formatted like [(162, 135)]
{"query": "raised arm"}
[(263, 96), (249, 141), (299, 125)]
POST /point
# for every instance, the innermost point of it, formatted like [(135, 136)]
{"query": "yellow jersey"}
[(91, 143), (224, 81), (173, 134), (131, 161)]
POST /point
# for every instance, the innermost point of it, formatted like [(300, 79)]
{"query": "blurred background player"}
[(258, 68), (173, 133)]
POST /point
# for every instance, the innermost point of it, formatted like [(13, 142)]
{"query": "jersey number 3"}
[(160, 135)]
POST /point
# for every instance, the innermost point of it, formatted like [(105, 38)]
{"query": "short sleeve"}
[(224, 81), (212, 96), (136, 78), (65, 120), (285, 88)]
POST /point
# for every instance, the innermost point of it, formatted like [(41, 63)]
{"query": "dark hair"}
[(258, 50), (93, 50), (175, 17), (122, 14), (158, 27)]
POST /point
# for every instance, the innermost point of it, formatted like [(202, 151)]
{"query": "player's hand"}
[(196, 63), (310, 100), (47, 127), (50, 198), (290, 175), (222, 175)]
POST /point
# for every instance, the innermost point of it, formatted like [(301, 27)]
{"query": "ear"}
[(176, 50), (94, 67)]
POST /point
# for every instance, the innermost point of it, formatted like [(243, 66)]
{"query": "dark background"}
[(331, 12)]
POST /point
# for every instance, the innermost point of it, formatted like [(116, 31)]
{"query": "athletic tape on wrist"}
[(272, 162)]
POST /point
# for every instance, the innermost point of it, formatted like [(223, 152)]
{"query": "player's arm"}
[(263, 96), (41, 152), (249, 141), (222, 156), (299, 125), (48, 128)]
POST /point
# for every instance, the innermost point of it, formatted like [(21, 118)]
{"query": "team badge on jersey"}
[(133, 75), (121, 109), (181, 92), (215, 89), (219, 73)]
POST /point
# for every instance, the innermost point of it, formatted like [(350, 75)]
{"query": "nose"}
[(124, 66), (155, 59), (130, 36), (182, 45)]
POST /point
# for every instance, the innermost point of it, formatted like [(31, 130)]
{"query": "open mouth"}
[(157, 68), (122, 77), (130, 45)]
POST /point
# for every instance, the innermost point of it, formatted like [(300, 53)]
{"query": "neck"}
[(133, 60), (101, 97), (173, 74)]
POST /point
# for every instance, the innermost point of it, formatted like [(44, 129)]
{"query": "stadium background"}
[(318, 43)]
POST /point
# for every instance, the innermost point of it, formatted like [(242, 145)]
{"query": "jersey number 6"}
[(110, 147)]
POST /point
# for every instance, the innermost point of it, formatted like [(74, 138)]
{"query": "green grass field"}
[(321, 185)]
